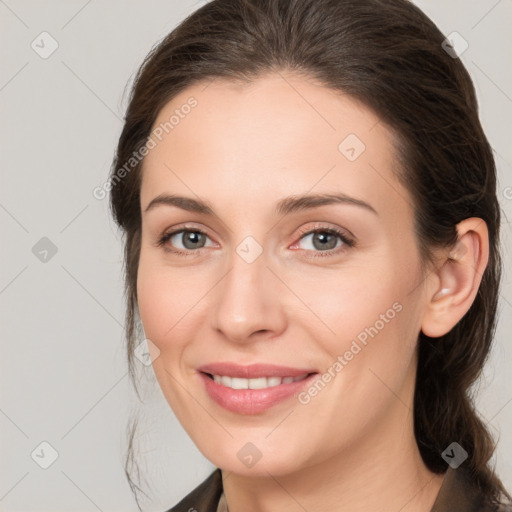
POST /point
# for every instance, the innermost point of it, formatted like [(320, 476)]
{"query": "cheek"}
[(375, 316), (166, 300), (369, 360), (164, 294), (369, 314), (343, 304), (163, 300), (173, 304)]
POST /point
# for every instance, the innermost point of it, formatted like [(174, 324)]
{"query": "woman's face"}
[(261, 286)]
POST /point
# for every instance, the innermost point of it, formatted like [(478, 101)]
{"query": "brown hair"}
[(389, 55)]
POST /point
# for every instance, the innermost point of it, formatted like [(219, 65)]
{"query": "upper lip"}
[(253, 371)]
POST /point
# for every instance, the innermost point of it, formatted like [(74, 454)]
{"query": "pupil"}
[(193, 238), (323, 238)]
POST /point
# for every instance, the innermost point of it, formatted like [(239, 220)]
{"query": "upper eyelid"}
[(327, 226), (302, 232)]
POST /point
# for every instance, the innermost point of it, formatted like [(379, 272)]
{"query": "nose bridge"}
[(247, 299)]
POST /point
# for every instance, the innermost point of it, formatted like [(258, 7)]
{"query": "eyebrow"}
[(284, 207)]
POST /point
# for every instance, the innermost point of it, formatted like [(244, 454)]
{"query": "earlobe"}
[(457, 279)]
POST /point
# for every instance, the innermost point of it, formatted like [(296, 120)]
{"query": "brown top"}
[(457, 494)]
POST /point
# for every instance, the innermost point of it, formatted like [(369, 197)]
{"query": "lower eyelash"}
[(166, 237)]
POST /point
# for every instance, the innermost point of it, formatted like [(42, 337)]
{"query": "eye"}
[(184, 241), (321, 241), (324, 241)]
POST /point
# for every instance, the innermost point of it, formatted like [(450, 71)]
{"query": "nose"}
[(247, 303)]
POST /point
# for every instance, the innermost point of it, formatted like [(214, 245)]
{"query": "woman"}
[(311, 244)]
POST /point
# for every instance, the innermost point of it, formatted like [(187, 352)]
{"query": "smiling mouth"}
[(255, 383)]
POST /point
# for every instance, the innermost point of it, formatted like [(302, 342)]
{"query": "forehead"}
[(278, 135), (276, 103)]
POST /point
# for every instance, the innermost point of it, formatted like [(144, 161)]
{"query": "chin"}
[(241, 464)]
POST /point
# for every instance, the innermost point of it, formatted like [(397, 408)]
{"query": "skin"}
[(243, 148)]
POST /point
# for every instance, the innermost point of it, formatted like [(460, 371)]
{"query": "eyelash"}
[(348, 242)]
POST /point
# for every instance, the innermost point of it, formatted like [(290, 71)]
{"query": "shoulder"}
[(204, 498), (460, 492)]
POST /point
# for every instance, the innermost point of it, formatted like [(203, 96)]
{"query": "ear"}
[(453, 286)]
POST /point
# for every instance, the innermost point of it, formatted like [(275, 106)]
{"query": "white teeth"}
[(237, 383), (273, 381), (258, 383)]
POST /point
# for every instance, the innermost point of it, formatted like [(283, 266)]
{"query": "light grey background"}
[(63, 377)]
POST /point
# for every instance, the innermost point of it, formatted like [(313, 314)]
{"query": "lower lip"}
[(252, 401)]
